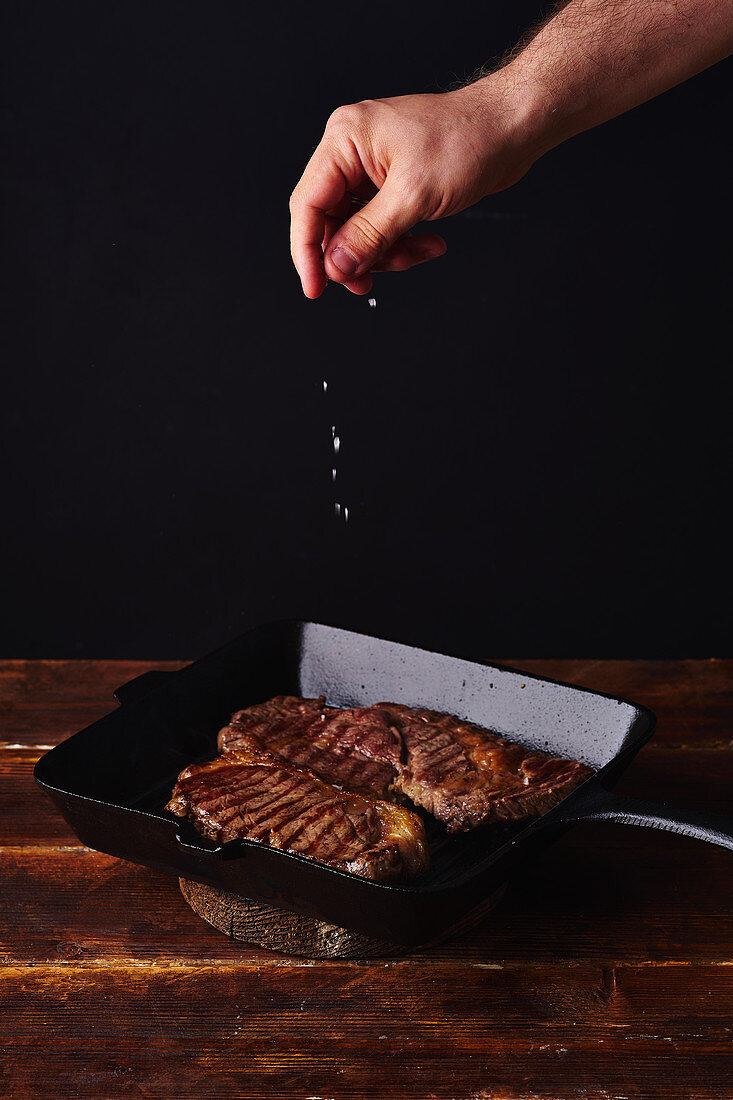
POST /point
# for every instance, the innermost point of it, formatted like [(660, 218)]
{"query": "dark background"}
[(534, 437)]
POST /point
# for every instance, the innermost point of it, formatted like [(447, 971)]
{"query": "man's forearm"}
[(595, 59), (424, 157)]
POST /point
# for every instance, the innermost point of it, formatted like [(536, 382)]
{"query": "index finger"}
[(322, 186)]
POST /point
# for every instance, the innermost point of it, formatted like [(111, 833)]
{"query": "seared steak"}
[(462, 774), (465, 775), (356, 749), (255, 794)]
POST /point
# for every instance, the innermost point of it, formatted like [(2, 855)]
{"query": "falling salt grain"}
[(372, 303), (333, 473), (336, 444), (337, 509), (325, 386), (346, 514)]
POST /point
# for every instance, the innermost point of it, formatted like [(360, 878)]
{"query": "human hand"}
[(383, 165)]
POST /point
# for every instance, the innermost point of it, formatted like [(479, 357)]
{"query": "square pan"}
[(111, 780)]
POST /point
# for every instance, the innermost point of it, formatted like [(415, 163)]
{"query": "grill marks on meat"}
[(465, 775), (284, 717), (250, 793), (357, 749), (462, 774), (304, 778)]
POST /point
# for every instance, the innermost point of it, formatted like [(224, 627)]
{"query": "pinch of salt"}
[(372, 303)]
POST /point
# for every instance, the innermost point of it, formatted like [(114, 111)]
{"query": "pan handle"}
[(141, 686), (192, 843), (599, 804)]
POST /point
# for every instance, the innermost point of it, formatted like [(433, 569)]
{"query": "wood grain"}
[(362, 1031), (693, 700), (705, 780), (278, 930), (596, 896), (604, 973)]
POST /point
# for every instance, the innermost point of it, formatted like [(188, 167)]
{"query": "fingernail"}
[(344, 261)]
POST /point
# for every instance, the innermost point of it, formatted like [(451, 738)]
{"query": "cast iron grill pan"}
[(112, 780)]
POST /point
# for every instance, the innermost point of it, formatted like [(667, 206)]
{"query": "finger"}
[(406, 253), (331, 226), (348, 205), (358, 286), (321, 188), (369, 232), (362, 285), (409, 251)]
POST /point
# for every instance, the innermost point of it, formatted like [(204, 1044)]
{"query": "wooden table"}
[(605, 973)]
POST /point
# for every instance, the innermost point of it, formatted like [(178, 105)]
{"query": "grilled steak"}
[(462, 774), (465, 775), (356, 749), (254, 794)]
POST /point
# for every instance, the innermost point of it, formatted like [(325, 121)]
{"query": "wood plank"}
[(674, 682), (701, 778), (604, 973), (44, 702), (44, 727), (29, 816), (357, 1032), (599, 894), (55, 683), (693, 778), (692, 699)]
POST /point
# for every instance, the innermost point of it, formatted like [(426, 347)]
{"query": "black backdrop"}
[(533, 435)]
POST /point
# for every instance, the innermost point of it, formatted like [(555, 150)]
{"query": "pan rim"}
[(641, 736)]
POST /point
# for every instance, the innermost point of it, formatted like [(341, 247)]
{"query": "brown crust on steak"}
[(462, 774), (253, 794), (355, 749), (466, 776)]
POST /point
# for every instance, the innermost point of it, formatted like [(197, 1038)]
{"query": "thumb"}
[(369, 232)]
